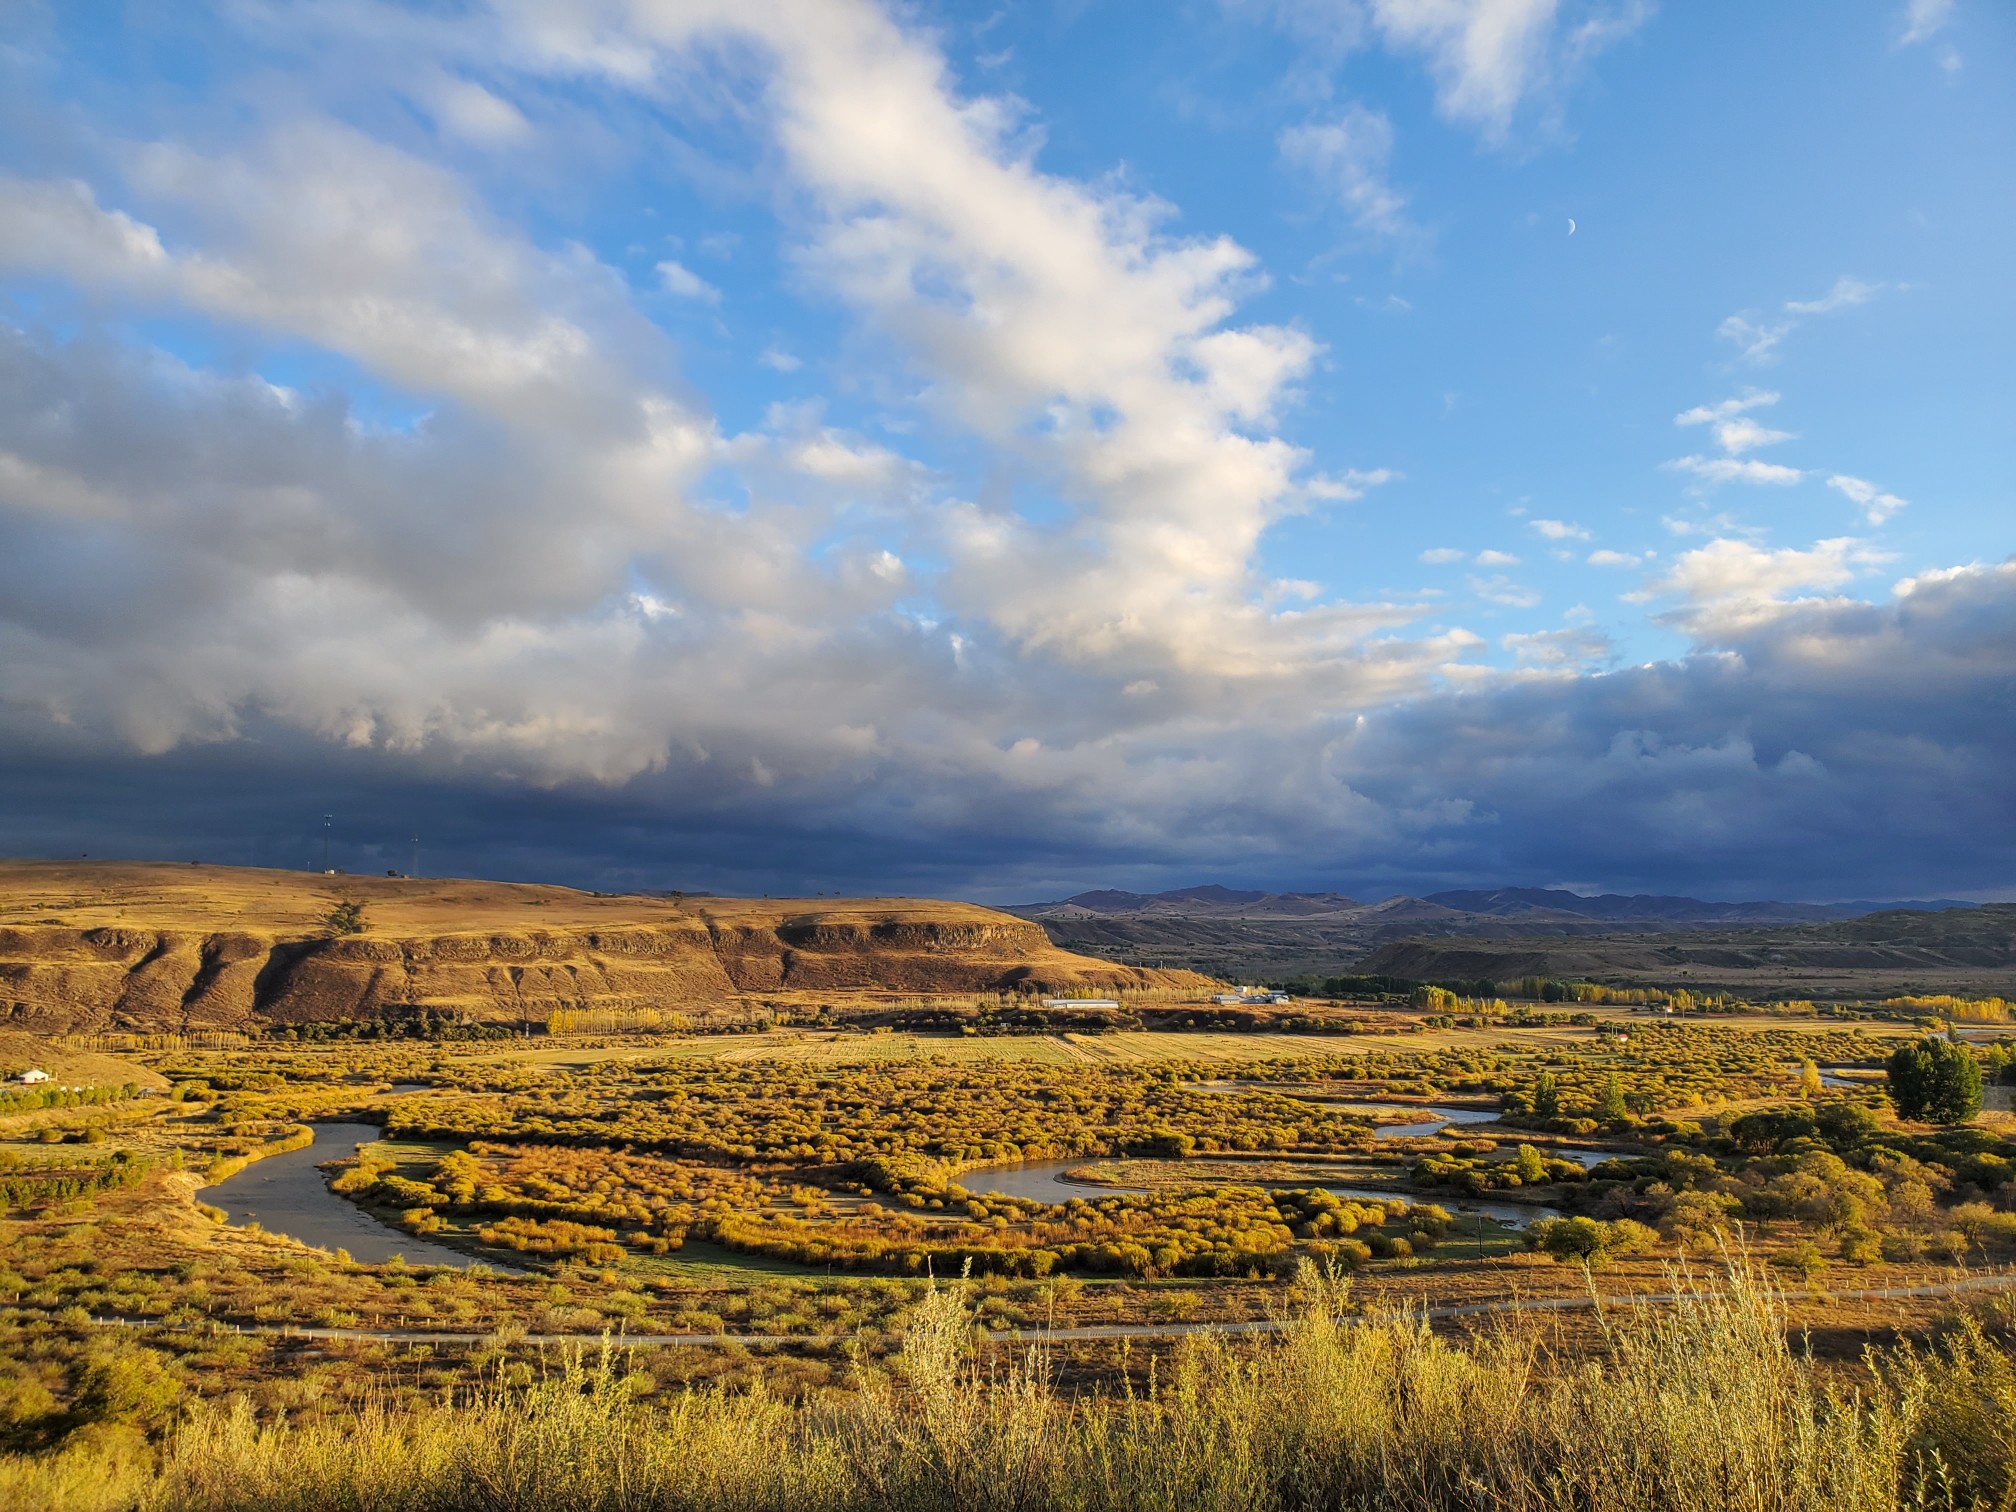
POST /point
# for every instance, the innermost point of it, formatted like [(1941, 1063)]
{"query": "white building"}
[(32, 1077), (1081, 1003)]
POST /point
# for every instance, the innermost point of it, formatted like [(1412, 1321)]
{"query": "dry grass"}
[(91, 894), (1700, 1407)]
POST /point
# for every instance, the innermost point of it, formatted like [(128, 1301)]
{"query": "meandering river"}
[(286, 1194)]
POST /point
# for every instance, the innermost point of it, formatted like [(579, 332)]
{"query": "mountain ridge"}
[(1254, 934), (1500, 902)]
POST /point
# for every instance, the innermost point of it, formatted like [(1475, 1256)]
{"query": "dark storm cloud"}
[(1837, 750), (559, 621)]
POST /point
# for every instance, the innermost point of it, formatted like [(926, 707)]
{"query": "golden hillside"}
[(153, 947)]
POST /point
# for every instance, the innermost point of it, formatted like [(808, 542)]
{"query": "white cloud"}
[(1607, 558), (1877, 506), (1716, 471), (1489, 57), (1563, 650), (465, 109), (1744, 434), (1709, 414), (1350, 485), (1490, 60), (1755, 341), (1560, 530), (1730, 584), (1846, 294), (683, 281), (1499, 589), (1437, 556), (1758, 339), (566, 572), (1924, 19), (1349, 157), (1496, 559), (1735, 431)]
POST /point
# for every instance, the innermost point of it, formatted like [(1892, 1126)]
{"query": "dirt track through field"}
[(1999, 1281)]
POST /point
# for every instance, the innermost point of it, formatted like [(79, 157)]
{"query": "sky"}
[(994, 451)]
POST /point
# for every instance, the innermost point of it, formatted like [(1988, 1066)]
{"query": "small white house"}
[(1054, 1002), (31, 1077)]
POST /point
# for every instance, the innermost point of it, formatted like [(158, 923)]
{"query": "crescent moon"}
[(1571, 225)]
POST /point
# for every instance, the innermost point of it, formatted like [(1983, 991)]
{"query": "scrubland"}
[(807, 1187), (1705, 1404)]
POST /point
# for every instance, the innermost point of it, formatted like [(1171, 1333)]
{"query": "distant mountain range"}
[(1247, 932), (1499, 903)]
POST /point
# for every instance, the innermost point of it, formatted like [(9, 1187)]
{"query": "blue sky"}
[(999, 450)]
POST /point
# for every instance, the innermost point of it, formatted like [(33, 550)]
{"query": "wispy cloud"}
[(1735, 430), (1560, 530), (683, 281), (1846, 294), (1924, 19), (1491, 57), (1348, 158), (1562, 650), (1716, 471), (1499, 589), (1755, 341), (1757, 338), (1877, 506)]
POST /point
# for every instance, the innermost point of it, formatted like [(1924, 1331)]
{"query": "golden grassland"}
[(1120, 1047), (93, 895), (1704, 1404), (661, 1185)]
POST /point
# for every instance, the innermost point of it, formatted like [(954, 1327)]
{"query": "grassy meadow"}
[(780, 1216), (1703, 1405)]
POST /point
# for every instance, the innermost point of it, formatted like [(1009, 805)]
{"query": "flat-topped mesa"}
[(154, 948)]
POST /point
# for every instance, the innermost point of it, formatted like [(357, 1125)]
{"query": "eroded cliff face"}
[(57, 978)]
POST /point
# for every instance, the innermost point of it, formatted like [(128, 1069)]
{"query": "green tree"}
[(1846, 1124), (346, 918), (1611, 1107), (1547, 1096), (1531, 1168), (1810, 1085), (1956, 1097), (1803, 1259), (1936, 1081)]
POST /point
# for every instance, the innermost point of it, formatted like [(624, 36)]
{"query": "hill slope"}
[(153, 948), (1969, 951), (1262, 935)]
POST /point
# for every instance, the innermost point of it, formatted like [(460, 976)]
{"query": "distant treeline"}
[(33, 1099), (421, 1024), (27, 1186), (1479, 993)]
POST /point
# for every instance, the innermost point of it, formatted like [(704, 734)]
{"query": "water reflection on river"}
[(1045, 1181), (286, 1194)]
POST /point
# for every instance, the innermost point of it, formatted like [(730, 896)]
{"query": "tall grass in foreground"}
[(1702, 1405)]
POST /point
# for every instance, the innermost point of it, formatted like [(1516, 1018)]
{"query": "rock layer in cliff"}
[(162, 948)]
